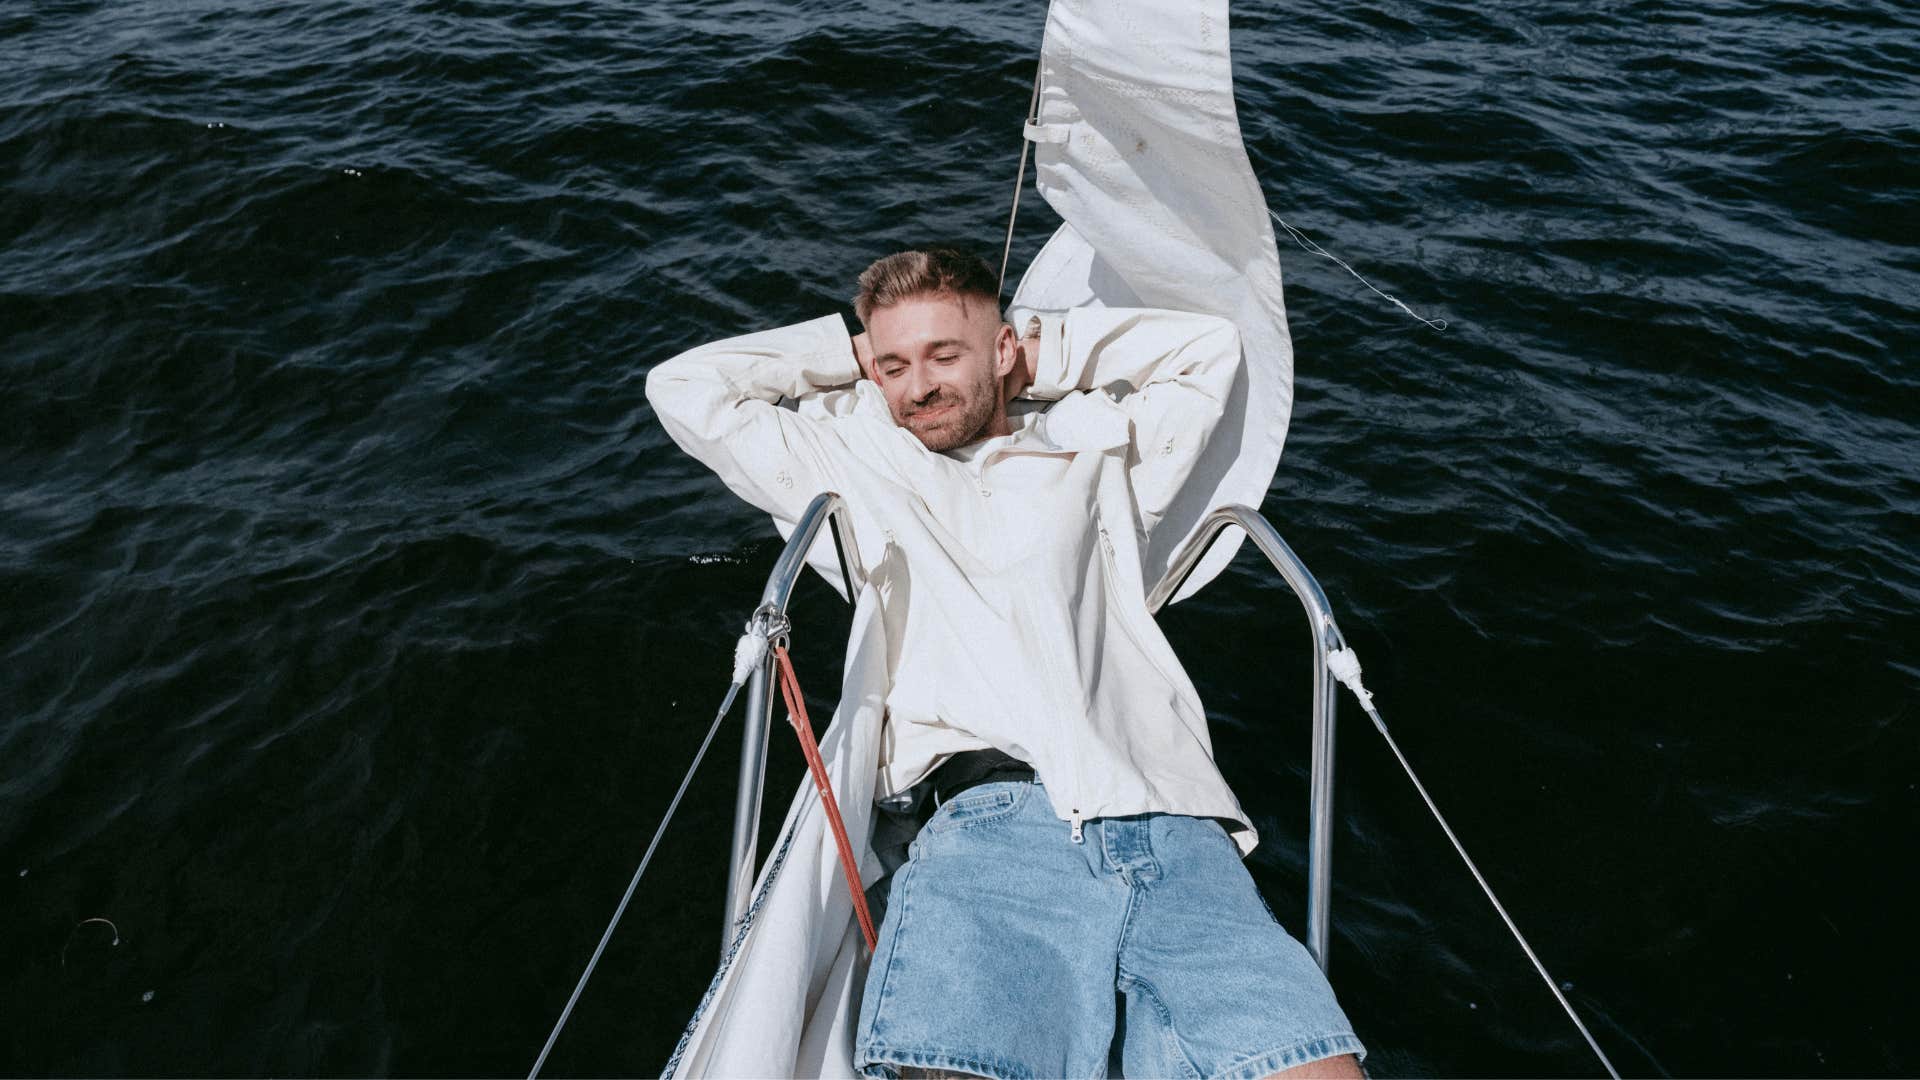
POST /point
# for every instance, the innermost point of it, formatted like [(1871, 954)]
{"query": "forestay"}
[(1138, 149)]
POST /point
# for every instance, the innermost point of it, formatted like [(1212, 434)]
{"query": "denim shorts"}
[(1009, 950)]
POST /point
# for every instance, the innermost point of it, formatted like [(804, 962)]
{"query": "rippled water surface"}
[(358, 617)]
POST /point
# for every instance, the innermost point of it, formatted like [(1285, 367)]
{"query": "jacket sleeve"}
[(720, 403), (1171, 372)]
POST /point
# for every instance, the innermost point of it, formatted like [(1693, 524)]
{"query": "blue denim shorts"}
[(1009, 950)]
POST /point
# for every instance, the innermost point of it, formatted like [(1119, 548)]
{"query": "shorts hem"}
[(884, 1061), (1300, 1053)]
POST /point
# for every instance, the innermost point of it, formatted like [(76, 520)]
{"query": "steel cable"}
[(732, 691), (1366, 702)]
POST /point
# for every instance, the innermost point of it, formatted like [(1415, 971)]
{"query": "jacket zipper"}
[(1070, 746), (1075, 817)]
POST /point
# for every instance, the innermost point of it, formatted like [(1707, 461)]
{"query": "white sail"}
[(1138, 148), (1139, 151)]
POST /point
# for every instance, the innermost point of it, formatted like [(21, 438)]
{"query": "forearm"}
[(719, 402), (1172, 372), (701, 388), (1088, 348)]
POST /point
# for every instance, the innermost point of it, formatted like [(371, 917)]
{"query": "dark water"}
[(358, 617)]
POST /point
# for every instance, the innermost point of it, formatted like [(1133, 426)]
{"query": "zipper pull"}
[(1078, 836)]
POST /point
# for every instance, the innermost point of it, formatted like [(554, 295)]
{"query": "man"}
[(1076, 904)]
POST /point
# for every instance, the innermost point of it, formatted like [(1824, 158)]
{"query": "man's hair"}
[(925, 272)]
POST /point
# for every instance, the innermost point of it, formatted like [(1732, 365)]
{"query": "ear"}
[(1006, 350)]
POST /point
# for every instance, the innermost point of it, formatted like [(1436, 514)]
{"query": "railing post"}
[(746, 803), (1326, 637), (1320, 804), (828, 509)]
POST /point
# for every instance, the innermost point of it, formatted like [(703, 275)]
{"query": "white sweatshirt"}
[(1009, 570)]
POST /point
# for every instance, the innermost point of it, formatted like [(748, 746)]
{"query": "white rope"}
[(1308, 245), (732, 691), (1344, 664), (748, 653), (1020, 180)]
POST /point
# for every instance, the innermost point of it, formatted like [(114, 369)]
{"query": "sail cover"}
[(1139, 151), (1138, 148)]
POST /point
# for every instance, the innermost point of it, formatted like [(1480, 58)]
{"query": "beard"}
[(950, 417)]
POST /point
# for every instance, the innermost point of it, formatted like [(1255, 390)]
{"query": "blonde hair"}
[(924, 272)]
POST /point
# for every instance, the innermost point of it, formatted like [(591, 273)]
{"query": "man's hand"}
[(863, 355)]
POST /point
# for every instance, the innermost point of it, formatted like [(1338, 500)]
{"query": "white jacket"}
[(1009, 571)]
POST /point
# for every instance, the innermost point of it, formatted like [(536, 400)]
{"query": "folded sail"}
[(1138, 148)]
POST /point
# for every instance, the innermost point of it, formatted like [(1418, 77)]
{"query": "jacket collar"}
[(1078, 422)]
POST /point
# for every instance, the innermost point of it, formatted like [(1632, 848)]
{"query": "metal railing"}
[(831, 510), (1326, 638)]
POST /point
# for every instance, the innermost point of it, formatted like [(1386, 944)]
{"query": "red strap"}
[(797, 716)]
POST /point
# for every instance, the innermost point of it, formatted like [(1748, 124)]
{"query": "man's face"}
[(939, 359)]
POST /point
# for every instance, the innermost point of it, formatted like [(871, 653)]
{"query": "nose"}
[(920, 384)]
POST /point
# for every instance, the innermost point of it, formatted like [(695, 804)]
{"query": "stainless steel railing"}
[(829, 509), (1326, 638)]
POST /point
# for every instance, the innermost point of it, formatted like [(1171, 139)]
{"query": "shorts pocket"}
[(988, 802)]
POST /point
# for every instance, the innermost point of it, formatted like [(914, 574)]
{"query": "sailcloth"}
[(1138, 148), (787, 994), (1139, 151)]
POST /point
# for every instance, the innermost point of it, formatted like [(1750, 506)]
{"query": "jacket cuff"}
[(830, 359), (1050, 377)]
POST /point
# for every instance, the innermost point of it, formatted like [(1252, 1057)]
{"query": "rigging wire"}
[(1307, 244), (732, 692), (1345, 666), (1020, 181)]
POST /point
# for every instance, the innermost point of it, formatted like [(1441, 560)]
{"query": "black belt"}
[(971, 768)]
